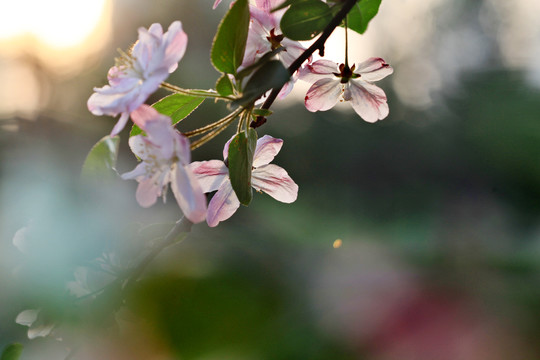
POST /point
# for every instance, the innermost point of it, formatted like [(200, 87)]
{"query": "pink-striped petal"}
[(317, 70), (373, 69), (323, 95), (188, 193), (267, 148), (368, 100), (210, 174), (276, 182), (216, 4), (223, 205)]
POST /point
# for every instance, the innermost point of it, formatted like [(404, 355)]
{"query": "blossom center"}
[(275, 40), (346, 73)]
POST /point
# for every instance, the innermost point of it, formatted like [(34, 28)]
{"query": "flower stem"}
[(213, 125), (193, 92), (203, 140), (182, 227), (346, 44)]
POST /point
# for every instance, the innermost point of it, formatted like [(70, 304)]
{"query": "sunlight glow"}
[(57, 23)]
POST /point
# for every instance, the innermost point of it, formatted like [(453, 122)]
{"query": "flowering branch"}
[(317, 45)]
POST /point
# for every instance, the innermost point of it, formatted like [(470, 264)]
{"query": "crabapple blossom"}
[(165, 156), (331, 82), (214, 175), (139, 73), (265, 34)]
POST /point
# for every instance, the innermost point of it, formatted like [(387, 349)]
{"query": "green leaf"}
[(269, 76), (361, 14), (176, 106), (230, 41), (224, 86), (240, 159), (12, 352), (101, 160), (305, 20), (287, 3)]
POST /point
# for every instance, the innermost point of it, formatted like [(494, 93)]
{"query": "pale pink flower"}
[(330, 83), (138, 74), (165, 156), (265, 34), (214, 175), (216, 4)]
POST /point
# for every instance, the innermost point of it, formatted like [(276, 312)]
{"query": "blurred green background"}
[(437, 207)]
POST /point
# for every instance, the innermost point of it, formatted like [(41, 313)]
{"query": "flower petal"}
[(275, 181), (210, 174), (223, 205), (148, 190), (374, 69), (265, 151), (27, 317), (317, 70), (140, 170), (188, 193), (368, 100), (226, 148), (323, 95), (140, 146), (176, 42), (120, 124)]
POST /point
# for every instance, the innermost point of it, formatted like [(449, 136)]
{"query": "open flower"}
[(214, 175), (165, 156), (265, 34), (331, 82), (139, 73)]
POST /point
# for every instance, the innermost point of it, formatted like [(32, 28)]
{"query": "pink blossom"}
[(331, 82), (138, 74), (165, 156), (214, 175), (265, 34), (216, 4)]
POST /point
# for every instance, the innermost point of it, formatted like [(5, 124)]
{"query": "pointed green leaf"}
[(361, 14), (230, 41), (12, 352), (224, 86), (101, 160), (269, 76), (176, 106), (240, 159), (305, 20)]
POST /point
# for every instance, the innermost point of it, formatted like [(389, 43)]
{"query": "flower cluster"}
[(165, 153)]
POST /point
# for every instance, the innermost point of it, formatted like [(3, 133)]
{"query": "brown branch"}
[(317, 45)]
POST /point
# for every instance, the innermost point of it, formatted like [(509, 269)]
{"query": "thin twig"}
[(182, 226)]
